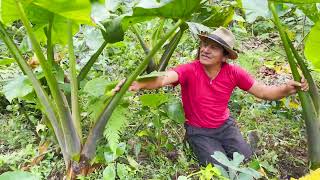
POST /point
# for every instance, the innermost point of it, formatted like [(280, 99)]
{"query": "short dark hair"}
[(225, 52)]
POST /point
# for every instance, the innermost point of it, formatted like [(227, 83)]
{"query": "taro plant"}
[(55, 22), (309, 100)]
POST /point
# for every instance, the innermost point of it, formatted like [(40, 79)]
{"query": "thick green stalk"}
[(314, 92), (50, 52), (151, 66), (97, 130), (72, 140), (48, 109), (309, 112), (170, 49), (86, 68), (74, 83)]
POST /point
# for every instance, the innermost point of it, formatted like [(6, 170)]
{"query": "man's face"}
[(211, 53)]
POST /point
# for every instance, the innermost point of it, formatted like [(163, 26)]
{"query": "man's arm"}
[(265, 92), (168, 78)]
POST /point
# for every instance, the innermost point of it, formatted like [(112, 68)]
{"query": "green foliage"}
[(175, 110), (113, 31), (214, 15), (40, 12), (313, 45), (150, 76), (311, 11), (18, 175), (6, 61), (152, 137), (19, 87), (117, 122), (153, 100), (96, 87), (176, 9), (109, 172), (235, 171), (254, 9)]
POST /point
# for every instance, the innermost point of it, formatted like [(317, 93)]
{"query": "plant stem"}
[(97, 130), (312, 121), (50, 52), (74, 83), (314, 92), (48, 108), (84, 71), (170, 49), (151, 66), (72, 140)]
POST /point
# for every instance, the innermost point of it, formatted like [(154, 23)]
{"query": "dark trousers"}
[(226, 139)]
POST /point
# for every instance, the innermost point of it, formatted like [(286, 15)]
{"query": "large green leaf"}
[(109, 172), (255, 9), (176, 9), (59, 27), (96, 87), (214, 16), (18, 175), (39, 12), (234, 164), (6, 61), (151, 75), (77, 10), (175, 111), (153, 100), (312, 46), (8, 12), (113, 30), (310, 10), (19, 87)]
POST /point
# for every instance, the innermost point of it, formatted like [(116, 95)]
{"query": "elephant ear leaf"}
[(312, 46), (113, 31), (214, 15), (152, 75), (78, 11), (17, 175), (8, 12), (175, 9)]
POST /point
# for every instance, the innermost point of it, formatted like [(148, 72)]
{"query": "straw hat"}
[(225, 38)]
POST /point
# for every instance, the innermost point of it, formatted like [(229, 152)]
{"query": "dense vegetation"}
[(61, 59)]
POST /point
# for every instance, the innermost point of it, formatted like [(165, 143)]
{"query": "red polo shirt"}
[(205, 101)]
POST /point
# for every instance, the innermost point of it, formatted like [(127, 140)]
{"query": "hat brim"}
[(232, 53)]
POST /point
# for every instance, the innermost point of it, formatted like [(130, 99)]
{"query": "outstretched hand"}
[(293, 86), (133, 87)]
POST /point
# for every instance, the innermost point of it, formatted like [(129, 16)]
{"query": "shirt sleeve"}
[(183, 72), (243, 79)]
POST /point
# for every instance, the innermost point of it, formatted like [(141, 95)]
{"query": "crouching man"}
[(206, 86)]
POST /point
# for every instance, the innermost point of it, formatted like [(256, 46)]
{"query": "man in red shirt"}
[(206, 86)]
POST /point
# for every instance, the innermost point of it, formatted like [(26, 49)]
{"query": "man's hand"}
[(265, 92), (293, 86), (135, 86)]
